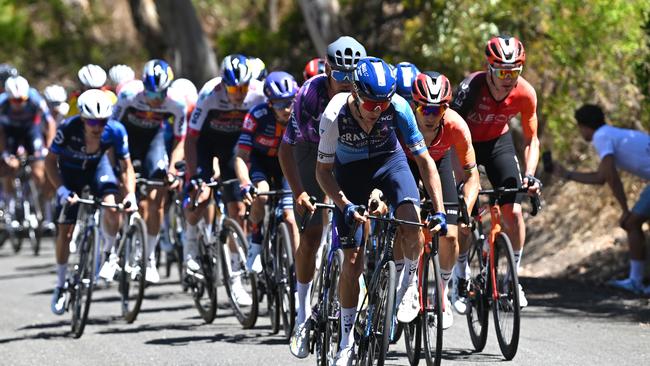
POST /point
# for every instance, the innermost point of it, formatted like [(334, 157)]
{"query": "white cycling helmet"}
[(120, 73), (92, 76), (185, 88), (95, 104), (17, 87), (55, 94)]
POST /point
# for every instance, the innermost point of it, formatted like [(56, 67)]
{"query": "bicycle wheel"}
[(83, 278), (176, 225), (477, 317), (381, 306), (432, 312), (506, 308), (33, 216), (132, 262), (268, 277), (204, 290), (413, 340), (231, 232), (286, 278), (327, 342)]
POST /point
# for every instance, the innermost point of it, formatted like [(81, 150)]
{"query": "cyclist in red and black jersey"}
[(488, 100)]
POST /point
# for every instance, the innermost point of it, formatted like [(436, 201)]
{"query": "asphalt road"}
[(567, 323)]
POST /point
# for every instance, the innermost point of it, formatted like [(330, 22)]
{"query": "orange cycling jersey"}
[(488, 118), (453, 132)]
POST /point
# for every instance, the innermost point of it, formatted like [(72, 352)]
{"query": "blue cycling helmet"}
[(157, 76), (280, 85), (374, 79), (406, 74), (235, 71)]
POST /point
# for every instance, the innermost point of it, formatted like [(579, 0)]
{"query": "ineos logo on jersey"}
[(478, 117)]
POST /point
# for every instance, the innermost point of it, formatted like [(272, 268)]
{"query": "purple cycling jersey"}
[(308, 107)]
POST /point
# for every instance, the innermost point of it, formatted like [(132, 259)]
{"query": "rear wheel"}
[(413, 340), (506, 309), (286, 278), (233, 269), (132, 262), (477, 317), (432, 313), (204, 290), (82, 283)]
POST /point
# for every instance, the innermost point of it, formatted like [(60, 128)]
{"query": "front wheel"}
[(506, 309), (413, 340), (83, 277), (477, 317), (132, 261), (235, 275), (286, 278), (329, 313), (432, 293)]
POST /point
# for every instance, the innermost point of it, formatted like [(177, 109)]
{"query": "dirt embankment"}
[(577, 233)]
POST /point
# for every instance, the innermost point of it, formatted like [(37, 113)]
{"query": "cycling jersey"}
[(131, 86), (343, 140), (487, 118), (27, 115), (453, 133), (310, 102), (261, 132), (69, 144)]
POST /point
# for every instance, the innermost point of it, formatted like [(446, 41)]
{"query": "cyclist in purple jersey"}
[(298, 159)]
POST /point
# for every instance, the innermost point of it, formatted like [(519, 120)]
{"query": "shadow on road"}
[(453, 354), (567, 297), (239, 338)]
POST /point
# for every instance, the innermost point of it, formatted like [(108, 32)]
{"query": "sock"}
[(445, 274), (461, 264), (61, 271), (410, 270), (152, 241), (347, 322), (636, 270), (304, 305), (189, 239), (109, 242), (235, 262), (517, 254)]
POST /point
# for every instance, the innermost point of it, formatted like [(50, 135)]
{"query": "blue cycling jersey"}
[(344, 140), (69, 144), (25, 116)]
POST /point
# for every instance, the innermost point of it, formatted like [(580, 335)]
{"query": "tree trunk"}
[(321, 18), (171, 30)]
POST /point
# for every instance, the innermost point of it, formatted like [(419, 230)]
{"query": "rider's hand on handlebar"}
[(376, 205), (303, 203), (66, 196), (247, 191), (173, 180), (130, 203), (12, 161), (533, 184), (352, 214), (437, 223)]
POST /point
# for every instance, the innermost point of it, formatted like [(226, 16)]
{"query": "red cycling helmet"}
[(505, 50), (314, 67), (431, 88)]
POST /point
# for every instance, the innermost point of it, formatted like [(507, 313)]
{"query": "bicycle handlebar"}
[(318, 206)]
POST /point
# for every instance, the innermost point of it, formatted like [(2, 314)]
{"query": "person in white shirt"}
[(618, 148)]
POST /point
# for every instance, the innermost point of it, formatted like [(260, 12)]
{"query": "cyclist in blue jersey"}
[(258, 145), (22, 111), (359, 151), (78, 158), (298, 159), (146, 117)]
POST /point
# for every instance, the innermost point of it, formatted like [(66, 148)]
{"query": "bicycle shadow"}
[(51, 333), (448, 354), (247, 338)]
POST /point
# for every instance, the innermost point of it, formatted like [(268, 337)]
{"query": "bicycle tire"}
[(433, 292), (478, 315), (508, 302), (413, 340), (204, 290), (132, 261), (286, 279), (330, 312), (268, 276), (383, 296), (35, 212), (82, 285), (231, 231)]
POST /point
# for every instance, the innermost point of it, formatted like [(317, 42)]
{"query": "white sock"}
[(461, 264), (517, 255), (636, 270), (235, 262), (410, 270), (304, 303), (190, 237), (445, 274), (152, 241), (61, 272), (347, 322), (109, 242)]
